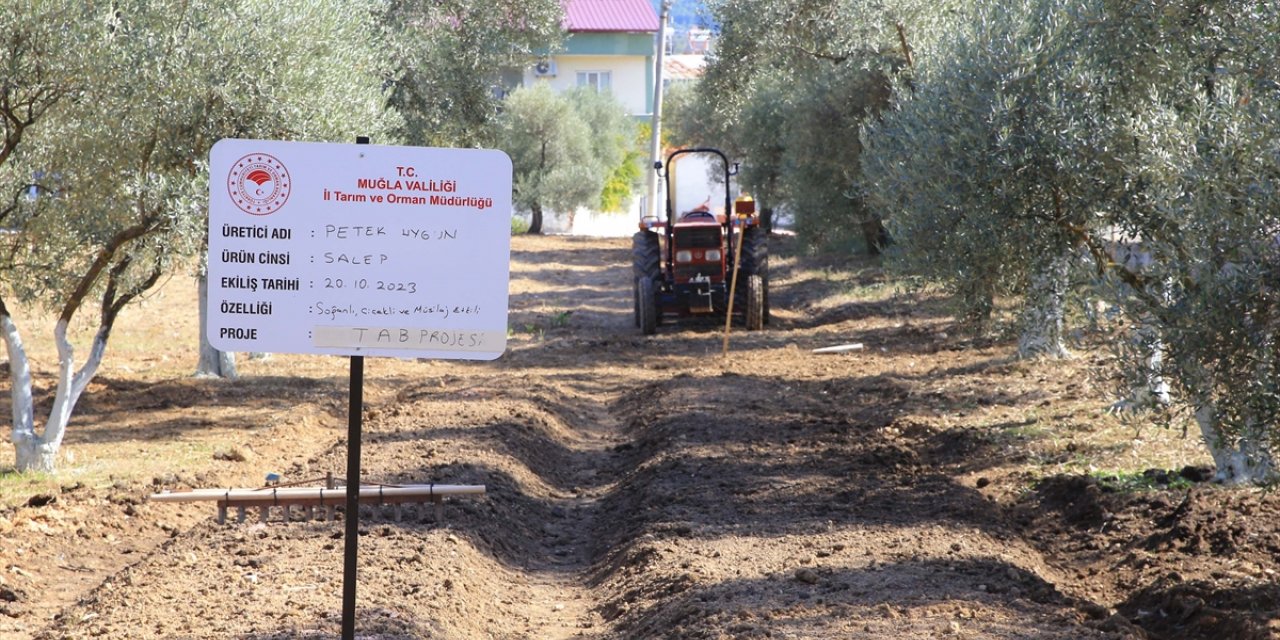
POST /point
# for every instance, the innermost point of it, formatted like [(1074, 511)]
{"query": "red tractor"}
[(698, 262)]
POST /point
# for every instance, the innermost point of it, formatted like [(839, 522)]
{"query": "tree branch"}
[(906, 48), (837, 59), (103, 260), (111, 306), (17, 196), (11, 141), (1106, 261), (112, 303)]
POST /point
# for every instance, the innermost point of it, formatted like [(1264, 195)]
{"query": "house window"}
[(598, 80)]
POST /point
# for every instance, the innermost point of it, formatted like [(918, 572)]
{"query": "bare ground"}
[(643, 487)]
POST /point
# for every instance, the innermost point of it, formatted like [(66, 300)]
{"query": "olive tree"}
[(977, 166), (563, 147), (1209, 292), (787, 90), (822, 154), (122, 159), (331, 91), (755, 133), (45, 68), (615, 144), (1141, 133), (444, 65), (451, 58), (1198, 91)]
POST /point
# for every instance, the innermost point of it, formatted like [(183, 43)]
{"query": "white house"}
[(610, 46)]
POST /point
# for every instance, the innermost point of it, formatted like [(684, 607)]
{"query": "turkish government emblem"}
[(259, 184)]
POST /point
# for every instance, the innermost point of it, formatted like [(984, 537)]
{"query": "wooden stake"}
[(733, 282)]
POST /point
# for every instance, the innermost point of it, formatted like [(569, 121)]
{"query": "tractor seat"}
[(698, 214)]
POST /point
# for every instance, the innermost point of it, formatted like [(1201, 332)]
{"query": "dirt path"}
[(647, 488)]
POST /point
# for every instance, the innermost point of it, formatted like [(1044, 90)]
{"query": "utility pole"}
[(655, 144)]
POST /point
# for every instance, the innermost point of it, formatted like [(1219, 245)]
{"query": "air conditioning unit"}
[(545, 69)]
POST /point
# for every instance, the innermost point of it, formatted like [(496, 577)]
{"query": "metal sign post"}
[(351, 542), (357, 250), (355, 412)]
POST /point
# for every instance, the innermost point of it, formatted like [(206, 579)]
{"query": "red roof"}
[(683, 67), (610, 15)]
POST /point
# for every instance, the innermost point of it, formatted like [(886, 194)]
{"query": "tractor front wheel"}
[(755, 303), (646, 306), (646, 256)]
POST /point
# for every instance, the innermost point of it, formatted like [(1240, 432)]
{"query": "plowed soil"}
[(930, 485)]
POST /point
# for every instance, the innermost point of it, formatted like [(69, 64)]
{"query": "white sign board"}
[(346, 249)]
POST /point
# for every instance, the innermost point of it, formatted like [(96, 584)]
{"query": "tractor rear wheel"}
[(646, 306), (646, 264), (755, 303), (755, 261)]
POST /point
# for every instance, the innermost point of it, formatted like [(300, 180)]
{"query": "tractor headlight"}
[(684, 256), (713, 255)]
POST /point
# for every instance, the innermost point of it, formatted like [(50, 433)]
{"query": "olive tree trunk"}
[(37, 451), (1042, 315), (1150, 389), (1241, 460), (535, 219), (213, 363)]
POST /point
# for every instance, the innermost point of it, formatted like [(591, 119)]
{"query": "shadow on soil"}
[(1172, 610), (756, 608), (114, 400)]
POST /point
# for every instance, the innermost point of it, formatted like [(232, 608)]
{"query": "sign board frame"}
[(349, 249)]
